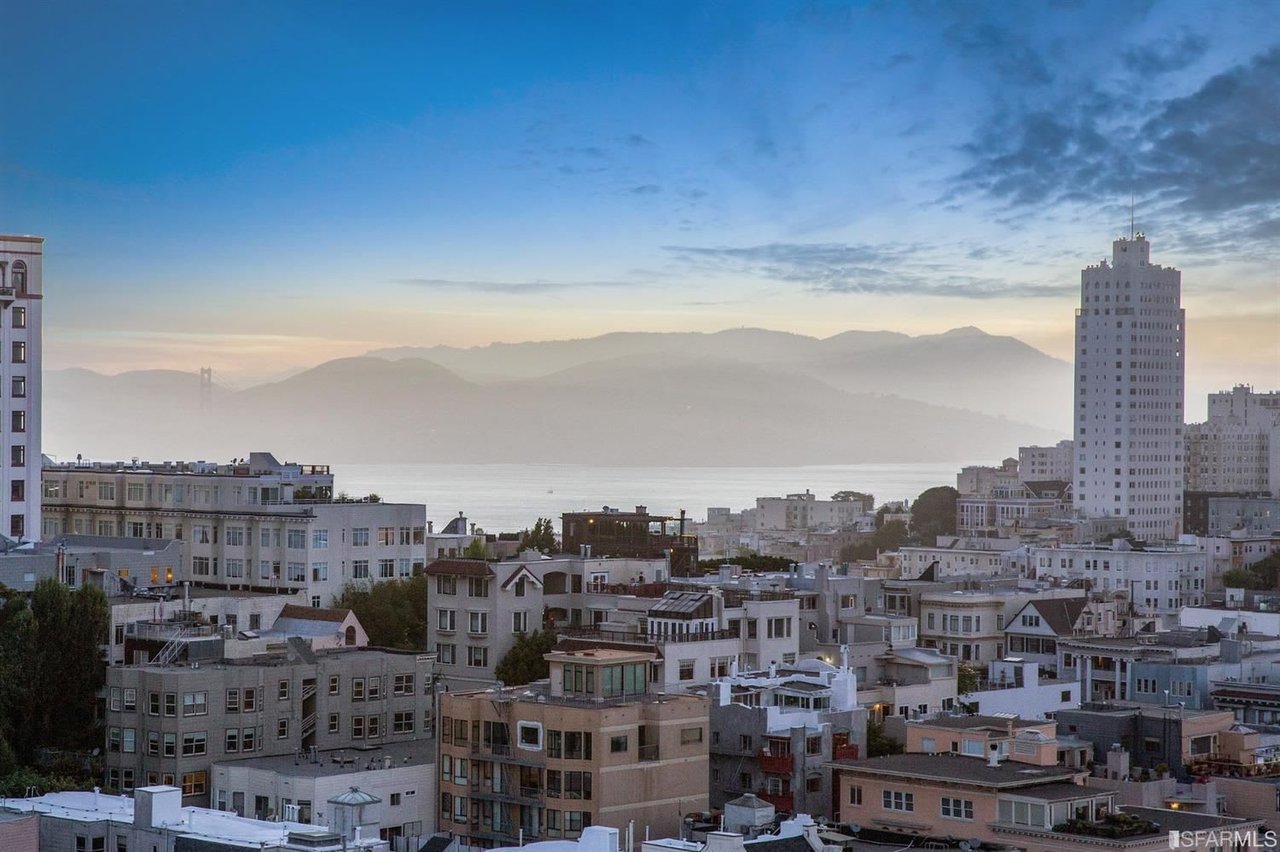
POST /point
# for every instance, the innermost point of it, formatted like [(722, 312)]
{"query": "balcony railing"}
[(642, 638), (776, 764), (649, 752), (848, 751), (780, 801)]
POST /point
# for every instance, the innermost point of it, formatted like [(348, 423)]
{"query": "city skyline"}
[(260, 194)]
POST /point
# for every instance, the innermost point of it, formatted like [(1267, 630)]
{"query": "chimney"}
[(431, 527), (993, 754)]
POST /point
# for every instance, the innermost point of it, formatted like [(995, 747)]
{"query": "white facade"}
[(1042, 464), (806, 512), (247, 525), (21, 295), (1015, 688), (1159, 581), (953, 562), (1129, 385), (1238, 448)]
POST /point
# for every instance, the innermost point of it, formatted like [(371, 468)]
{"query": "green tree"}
[(541, 538), (1263, 574), (967, 679), (934, 514), (867, 500), (475, 550), (393, 612), (879, 743), (525, 662), (751, 563)]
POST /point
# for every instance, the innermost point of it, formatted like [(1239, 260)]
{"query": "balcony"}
[(649, 752), (516, 795), (780, 801), (776, 764), (848, 751)]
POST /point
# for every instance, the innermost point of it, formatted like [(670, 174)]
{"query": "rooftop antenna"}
[(1131, 217)]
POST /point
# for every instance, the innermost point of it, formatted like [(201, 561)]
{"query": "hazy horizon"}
[(260, 189)]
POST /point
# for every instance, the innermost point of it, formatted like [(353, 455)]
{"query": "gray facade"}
[(169, 724)]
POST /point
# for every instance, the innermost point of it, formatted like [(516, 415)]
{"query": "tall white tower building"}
[(1130, 379), (20, 297)]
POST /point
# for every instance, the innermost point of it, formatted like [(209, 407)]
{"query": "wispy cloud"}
[(530, 287), (1211, 153), (883, 269), (1164, 57)]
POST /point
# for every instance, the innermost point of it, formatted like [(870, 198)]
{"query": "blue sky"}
[(261, 186)]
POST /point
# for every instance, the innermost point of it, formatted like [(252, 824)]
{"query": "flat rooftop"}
[(343, 761), (953, 768), (973, 723)]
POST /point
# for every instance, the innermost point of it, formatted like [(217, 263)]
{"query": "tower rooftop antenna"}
[(1131, 216)]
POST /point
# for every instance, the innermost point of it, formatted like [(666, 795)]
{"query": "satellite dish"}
[(854, 828), (965, 847)]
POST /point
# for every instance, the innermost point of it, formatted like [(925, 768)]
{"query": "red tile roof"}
[(459, 568)]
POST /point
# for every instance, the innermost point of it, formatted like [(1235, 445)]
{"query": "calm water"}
[(502, 497)]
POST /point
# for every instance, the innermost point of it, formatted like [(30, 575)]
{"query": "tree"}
[(476, 549), (891, 536), (525, 662), (751, 563), (865, 499), (879, 743), (541, 538), (967, 679), (392, 612), (1263, 574), (934, 514)]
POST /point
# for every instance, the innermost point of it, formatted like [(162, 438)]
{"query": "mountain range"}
[(737, 397)]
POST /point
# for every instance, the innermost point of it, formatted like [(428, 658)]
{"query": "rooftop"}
[(343, 761), (952, 768), (970, 723)]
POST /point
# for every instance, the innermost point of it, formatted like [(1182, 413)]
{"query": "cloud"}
[(531, 287), (884, 269), (1215, 151), (1010, 56), (645, 189), (1164, 57)]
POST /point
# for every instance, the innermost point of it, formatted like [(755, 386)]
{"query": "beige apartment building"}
[(592, 746)]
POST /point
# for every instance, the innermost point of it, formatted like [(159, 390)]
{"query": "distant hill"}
[(963, 368), (622, 400)]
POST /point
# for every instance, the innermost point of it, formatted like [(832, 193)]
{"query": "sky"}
[(259, 187)]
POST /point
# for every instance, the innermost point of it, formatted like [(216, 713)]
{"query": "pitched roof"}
[(522, 571), (459, 568), (1061, 614), (307, 613)]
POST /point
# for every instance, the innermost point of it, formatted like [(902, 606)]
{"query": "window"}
[(779, 628), (282, 729), (447, 585), (386, 568), (529, 735), (360, 537), (477, 656), (19, 317), (18, 387), (446, 653), (18, 421), (402, 684), (335, 685), (195, 703), (690, 735), (194, 743), (520, 622), (171, 704), (357, 689), (319, 539), (618, 745), (296, 539), (957, 808), (335, 723), (130, 699), (360, 569), (402, 722), (478, 623), (686, 669), (250, 703), (170, 745), (18, 455), (231, 744), (898, 800), (477, 587), (195, 783), (855, 795), (19, 352)]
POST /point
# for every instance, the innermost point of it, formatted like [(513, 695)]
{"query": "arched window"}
[(18, 278), (351, 635)]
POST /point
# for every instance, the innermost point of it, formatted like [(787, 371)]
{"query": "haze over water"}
[(508, 497)]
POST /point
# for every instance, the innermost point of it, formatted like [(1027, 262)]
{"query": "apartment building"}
[(1015, 687), (938, 563), (254, 524), (1034, 631), (479, 609), (21, 297), (168, 724), (1130, 377), (1237, 450), (981, 480), (633, 535), (805, 511), (400, 776), (772, 733), (1044, 464), (1254, 516), (970, 625), (1170, 735), (593, 745), (1159, 581), (1009, 510), (1105, 666)]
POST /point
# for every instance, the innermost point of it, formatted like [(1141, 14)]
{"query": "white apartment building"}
[(970, 625), (1043, 464), (1129, 385), (913, 562), (1238, 448), (21, 294), (258, 524), (1159, 581), (983, 480), (806, 512)]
